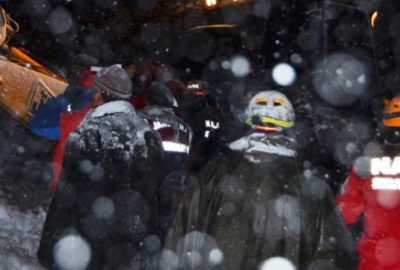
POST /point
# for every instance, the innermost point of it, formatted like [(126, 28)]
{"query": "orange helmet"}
[(391, 112)]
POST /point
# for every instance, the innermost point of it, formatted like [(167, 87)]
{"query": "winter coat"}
[(69, 121), (378, 199), (107, 191), (46, 120), (253, 204), (206, 118), (176, 138)]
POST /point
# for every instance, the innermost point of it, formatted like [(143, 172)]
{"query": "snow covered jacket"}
[(107, 191), (253, 204), (378, 199)]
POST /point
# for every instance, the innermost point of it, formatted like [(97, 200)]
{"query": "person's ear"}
[(98, 99)]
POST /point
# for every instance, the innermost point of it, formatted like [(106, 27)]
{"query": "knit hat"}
[(113, 81)]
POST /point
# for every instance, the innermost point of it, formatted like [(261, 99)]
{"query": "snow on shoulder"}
[(265, 143), (119, 128), (113, 107), (20, 234)]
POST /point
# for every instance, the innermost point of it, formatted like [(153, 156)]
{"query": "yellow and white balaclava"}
[(272, 111)]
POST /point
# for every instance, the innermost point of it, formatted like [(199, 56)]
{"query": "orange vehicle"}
[(25, 84)]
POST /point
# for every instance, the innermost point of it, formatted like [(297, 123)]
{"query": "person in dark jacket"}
[(203, 113), (105, 204), (255, 204), (45, 122), (61, 115), (161, 113)]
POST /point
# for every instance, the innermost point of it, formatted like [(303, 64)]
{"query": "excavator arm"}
[(25, 83)]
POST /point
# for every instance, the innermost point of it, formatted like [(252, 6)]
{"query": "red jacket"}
[(69, 121), (379, 246)]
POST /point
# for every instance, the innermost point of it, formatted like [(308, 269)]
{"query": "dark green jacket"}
[(254, 205)]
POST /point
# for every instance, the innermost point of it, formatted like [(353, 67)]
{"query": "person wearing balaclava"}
[(371, 194), (255, 204), (105, 204)]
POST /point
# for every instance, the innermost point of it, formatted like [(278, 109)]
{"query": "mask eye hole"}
[(278, 101), (261, 101)]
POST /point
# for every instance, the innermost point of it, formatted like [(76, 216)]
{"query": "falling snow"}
[(325, 61)]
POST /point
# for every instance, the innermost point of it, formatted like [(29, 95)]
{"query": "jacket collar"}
[(258, 143)]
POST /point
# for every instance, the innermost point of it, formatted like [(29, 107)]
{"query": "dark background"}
[(110, 31)]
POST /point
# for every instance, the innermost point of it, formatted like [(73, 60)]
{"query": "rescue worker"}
[(106, 198), (254, 203), (205, 116), (176, 137), (72, 117), (372, 191), (46, 120), (57, 118)]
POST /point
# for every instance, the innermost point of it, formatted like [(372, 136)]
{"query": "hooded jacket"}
[(254, 203), (378, 200), (109, 160), (46, 120)]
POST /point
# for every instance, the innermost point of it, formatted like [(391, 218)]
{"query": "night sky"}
[(57, 30)]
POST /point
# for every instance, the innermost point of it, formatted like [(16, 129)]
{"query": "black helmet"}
[(158, 94)]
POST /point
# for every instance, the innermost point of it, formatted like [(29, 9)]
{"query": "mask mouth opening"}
[(199, 93), (391, 119), (390, 115), (269, 122), (260, 123)]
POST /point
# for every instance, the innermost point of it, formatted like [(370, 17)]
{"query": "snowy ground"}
[(19, 236), (25, 175), (23, 206)]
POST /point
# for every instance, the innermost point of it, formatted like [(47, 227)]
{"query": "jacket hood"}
[(114, 107)]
